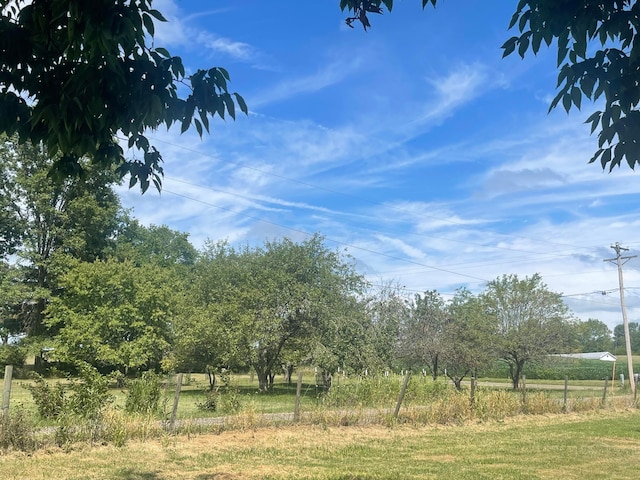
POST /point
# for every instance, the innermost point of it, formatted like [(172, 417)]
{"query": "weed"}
[(144, 394), (17, 432)]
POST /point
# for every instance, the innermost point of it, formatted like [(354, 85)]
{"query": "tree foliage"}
[(531, 321), (71, 218), (74, 76), (598, 46), (593, 336), (634, 337), (114, 315), (467, 338), (421, 333)]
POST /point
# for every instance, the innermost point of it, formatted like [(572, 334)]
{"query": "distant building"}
[(604, 356)]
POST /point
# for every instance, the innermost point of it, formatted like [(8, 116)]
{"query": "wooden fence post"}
[(566, 390), (604, 392), (524, 389), (296, 410), (176, 398), (6, 388), (402, 392)]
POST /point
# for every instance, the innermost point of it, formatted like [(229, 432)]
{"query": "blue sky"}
[(413, 146)]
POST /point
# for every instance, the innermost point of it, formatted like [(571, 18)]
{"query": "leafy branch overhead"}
[(598, 59), (76, 76)]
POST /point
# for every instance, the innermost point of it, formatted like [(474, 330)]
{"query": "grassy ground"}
[(601, 445)]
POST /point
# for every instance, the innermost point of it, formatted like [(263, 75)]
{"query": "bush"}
[(210, 402), (144, 394), (89, 396), (50, 400), (12, 355), (17, 432)]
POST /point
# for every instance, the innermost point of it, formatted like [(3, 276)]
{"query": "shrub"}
[(50, 400), (144, 394), (17, 432), (12, 355), (540, 403), (90, 394), (210, 402)]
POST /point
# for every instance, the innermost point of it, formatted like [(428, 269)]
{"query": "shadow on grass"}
[(130, 474)]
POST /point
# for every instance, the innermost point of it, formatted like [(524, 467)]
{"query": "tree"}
[(598, 44), (154, 244), (74, 76), (531, 321), (72, 218), (114, 315), (14, 294), (593, 336), (347, 339), (387, 310), (272, 300), (422, 333), (467, 338), (292, 290), (634, 336)]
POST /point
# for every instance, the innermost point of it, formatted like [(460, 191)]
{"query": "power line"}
[(431, 267)]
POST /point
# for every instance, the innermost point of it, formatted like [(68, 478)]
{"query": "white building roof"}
[(604, 356)]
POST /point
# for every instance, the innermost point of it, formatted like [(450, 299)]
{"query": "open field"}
[(594, 446)]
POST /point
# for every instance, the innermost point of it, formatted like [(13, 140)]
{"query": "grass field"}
[(594, 446), (282, 398)]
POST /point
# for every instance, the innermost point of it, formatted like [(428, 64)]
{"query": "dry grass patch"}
[(604, 444)]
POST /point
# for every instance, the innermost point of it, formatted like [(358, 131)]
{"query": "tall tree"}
[(74, 217), (467, 338), (598, 43), (114, 315), (281, 294), (634, 336), (531, 321), (593, 335), (91, 72), (422, 333), (154, 244)]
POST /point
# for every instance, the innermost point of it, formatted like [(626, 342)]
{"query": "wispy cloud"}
[(329, 74)]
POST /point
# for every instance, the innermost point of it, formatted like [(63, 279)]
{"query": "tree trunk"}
[(457, 382), (211, 375), (263, 380), (327, 380), (434, 367), (288, 371), (515, 369)]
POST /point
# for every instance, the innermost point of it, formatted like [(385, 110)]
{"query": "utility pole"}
[(620, 260)]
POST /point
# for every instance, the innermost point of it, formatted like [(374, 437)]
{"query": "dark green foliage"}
[(12, 355), (143, 394), (91, 72), (50, 400), (210, 402), (87, 399), (556, 368)]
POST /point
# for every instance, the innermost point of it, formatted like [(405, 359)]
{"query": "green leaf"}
[(576, 97), (389, 4), (148, 23), (157, 15), (242, 104), (509, 46), (566, 102), (524, 45)]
